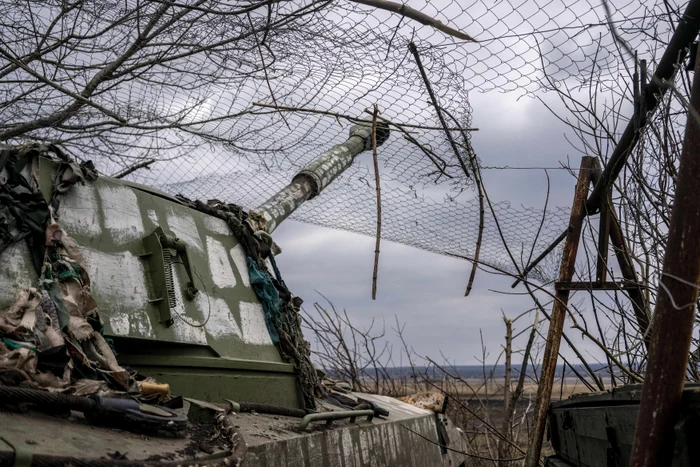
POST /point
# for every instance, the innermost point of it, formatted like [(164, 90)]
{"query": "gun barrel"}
[(316, 176)]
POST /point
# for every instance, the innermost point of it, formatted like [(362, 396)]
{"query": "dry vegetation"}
[(493, 410), (93, 76)]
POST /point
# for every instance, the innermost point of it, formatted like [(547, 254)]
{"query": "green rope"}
[(11, 344)]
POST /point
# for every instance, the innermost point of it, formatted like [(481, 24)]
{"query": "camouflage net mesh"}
[(193, 111)]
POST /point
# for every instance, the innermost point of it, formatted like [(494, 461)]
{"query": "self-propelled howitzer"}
[(105, 282)]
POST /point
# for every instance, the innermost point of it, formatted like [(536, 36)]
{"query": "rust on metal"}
[(556, 323), (675, 306)]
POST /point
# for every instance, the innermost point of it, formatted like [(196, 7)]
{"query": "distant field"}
[(477, 371), (473, 389), (477, 408)]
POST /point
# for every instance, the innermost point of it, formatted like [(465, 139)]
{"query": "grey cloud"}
[(423, 289)]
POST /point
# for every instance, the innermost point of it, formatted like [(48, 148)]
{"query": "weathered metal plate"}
[(271, 441), (218, 345), (39, 434), (275, 441), (109, 219), (597, 429)]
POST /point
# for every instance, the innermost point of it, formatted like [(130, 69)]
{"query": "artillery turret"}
[(188, 294)]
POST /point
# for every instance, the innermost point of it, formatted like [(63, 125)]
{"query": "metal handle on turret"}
[(316, 176), (171, 241), (158, 255)]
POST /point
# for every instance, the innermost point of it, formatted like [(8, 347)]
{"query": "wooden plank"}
[(556, 323), (624, 260), (603, 234)]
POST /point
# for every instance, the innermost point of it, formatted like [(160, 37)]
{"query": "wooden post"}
[(624, 260), (556, 323), (675, 306), (507, 426), (636, 295), (603, 234)]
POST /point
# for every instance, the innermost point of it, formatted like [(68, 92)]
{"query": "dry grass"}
[(471, 389), (477, 408)]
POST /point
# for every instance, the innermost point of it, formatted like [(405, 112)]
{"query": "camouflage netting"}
[(183, 91)]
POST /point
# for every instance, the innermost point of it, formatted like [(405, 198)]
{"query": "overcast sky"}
[(425, 290)]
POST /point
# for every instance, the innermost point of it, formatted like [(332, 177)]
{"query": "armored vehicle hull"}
[(597, 429)]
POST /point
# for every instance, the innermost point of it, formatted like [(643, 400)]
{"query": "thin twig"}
[(433, 99), (379, 202), (480, 190), (542, 256), (416, 15), (262, 60), (431, 155), (141, 165), (388, 49), (488, 425), (462, 452), (506, 427), (523, 370), (355, 119), (633, 376)]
